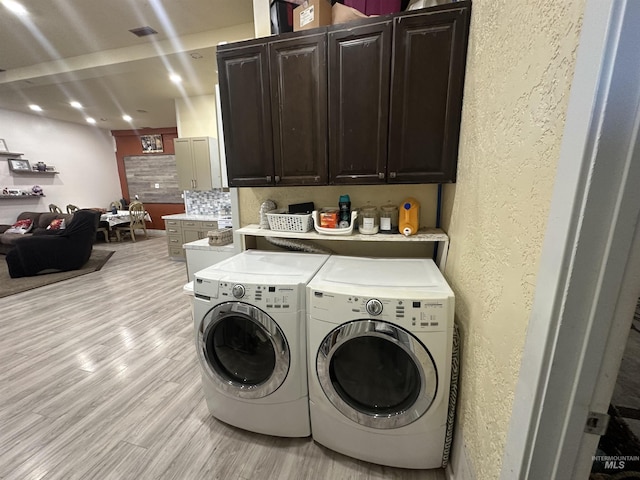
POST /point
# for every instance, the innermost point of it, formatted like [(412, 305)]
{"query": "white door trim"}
[(593, 216)]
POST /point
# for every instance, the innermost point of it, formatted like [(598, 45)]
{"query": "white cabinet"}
[(198, 163), (201, 255)]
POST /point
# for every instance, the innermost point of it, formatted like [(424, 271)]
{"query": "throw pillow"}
[(21, 226), (57, 224)]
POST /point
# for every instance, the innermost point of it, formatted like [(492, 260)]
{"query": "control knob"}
[(238, 291), (374, 306)]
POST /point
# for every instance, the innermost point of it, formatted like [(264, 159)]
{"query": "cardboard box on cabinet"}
[(312, 14), (375, 7)]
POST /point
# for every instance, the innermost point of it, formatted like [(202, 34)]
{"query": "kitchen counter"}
[(185, 216)]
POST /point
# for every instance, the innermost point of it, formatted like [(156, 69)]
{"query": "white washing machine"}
[(249, 319), (380, 335)]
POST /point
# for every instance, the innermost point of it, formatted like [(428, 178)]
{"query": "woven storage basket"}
[(285, 222), (221, 236)]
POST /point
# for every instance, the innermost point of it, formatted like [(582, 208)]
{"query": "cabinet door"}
[(299, 109), (429, 55), (359, 72), (243, 73), (201, 156), (191, 231), (184, 163)]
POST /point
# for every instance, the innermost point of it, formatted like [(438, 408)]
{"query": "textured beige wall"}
[(250, 200), (519, 71)]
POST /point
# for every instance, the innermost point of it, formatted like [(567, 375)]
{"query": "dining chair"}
[(54, 208), (136, 221), (72, 208), (117, 204)]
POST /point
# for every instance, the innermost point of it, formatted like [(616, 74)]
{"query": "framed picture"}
[(3, 145), (151, 143), (19, 165)]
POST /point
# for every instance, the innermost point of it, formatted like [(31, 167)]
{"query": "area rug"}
[(11, 286)]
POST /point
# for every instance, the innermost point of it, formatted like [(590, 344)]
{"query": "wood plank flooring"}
[(99, 380)]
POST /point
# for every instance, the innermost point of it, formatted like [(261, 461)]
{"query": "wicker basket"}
[(285, 222), (221, 236)]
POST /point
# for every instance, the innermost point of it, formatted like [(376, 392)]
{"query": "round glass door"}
[(243, 349), (376, 373)]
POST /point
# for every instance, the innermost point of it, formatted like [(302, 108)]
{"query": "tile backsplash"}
[(211, 202)]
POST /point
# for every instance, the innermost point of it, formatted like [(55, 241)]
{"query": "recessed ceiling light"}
[(75, 104), (175, 78), (196, 56), (91, 120), (15, 7), (35, 108), (126, 118)]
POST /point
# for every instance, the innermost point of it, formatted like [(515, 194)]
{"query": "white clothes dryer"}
[(249, 319), (380, 334)]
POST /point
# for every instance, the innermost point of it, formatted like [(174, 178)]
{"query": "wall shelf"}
[(249, 232), (33, 172), (18, 197), (10, 154)]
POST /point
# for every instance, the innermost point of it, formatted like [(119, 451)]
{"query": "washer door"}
[(243, 350), (376, 373)]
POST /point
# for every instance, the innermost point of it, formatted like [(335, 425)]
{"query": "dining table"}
[(120, 217)]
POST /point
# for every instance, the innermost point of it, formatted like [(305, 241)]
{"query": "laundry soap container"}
[(409, 217)]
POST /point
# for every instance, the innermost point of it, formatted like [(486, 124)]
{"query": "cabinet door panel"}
[(299, 109), (426, 102), (184, 163), (359, 71), (246, 112), (201, 163)]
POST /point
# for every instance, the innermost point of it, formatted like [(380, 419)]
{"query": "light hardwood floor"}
[(99, 380)]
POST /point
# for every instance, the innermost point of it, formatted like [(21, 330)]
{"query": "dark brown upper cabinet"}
[(299, 109), (243, 73), (429, 56), (368, 102), (273, 96), (359, 72)]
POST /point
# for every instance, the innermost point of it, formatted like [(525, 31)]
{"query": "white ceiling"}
[(82, 50)]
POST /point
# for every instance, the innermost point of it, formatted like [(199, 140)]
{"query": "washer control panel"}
[(414, 314), (282, 298)]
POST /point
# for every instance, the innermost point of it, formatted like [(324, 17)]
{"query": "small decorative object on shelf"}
[(3, 145), (19, 165), (37, 190), (40, 167)]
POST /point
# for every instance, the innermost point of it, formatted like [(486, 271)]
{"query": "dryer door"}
[(376, 373), (243, 350)]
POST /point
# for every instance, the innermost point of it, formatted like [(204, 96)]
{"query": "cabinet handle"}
[(277, 178), (381, 175), (268, 178), (392, 174)]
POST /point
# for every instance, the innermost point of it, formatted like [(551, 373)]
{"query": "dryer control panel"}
[(413, 314)]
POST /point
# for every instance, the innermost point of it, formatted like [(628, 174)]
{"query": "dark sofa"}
[(41, 221), (64, 250)]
